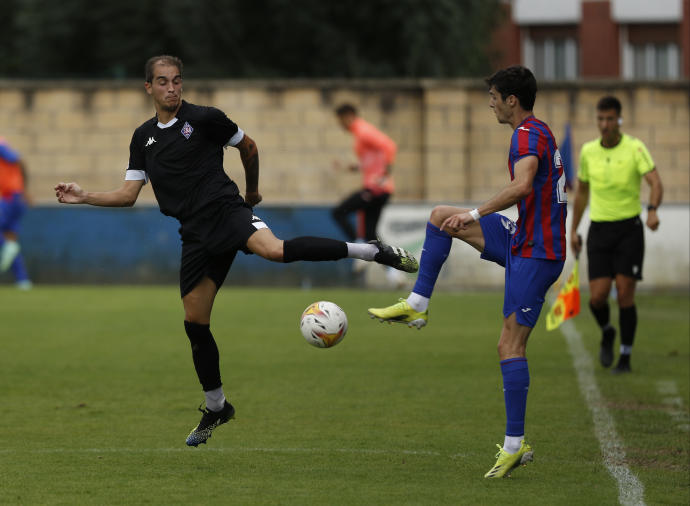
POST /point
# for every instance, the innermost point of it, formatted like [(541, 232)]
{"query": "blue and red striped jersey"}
[(541, 215)]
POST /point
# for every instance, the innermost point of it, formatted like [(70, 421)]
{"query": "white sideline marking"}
[(669, 388), (43, 451), (630, 489)]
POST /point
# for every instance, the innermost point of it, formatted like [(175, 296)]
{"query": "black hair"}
[(515, 80), (344, 109), (609, 102)]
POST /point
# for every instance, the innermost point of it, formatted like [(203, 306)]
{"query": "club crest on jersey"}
[(187, 130)]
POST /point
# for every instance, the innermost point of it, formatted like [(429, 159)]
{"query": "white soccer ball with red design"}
[(323, 324)]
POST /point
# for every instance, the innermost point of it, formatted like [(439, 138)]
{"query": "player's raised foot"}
[(507, 462), (400, 312), (606, 349), (209, 421), (395, 257)]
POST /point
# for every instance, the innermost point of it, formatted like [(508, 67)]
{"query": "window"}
[(654, 61), (651, 51), (552, 58)]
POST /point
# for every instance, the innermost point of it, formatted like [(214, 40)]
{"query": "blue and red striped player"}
[(532, 251), (12, 208)]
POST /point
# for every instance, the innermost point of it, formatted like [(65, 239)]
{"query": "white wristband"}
[(475, 214)]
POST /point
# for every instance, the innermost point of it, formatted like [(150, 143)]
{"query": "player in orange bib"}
[(376, 154)]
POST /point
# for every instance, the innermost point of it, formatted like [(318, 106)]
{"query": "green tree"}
[(261, 38)]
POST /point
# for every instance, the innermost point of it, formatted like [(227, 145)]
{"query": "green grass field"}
[(98, 394)]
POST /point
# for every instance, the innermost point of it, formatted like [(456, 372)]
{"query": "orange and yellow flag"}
[(567, 304)]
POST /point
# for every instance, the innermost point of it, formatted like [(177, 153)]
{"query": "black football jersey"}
[(184, 160)]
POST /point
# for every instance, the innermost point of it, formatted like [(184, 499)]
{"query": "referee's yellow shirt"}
[(614, 176)]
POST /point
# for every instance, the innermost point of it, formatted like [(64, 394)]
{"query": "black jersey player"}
[(180, 151)]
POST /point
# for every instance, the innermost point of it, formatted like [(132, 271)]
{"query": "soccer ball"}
[(323, 324)]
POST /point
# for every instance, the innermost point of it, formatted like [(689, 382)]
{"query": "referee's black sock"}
[(601, 314), (313, 249), (204, 354), (627, 317)]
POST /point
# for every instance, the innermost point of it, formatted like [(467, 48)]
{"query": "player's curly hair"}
[(165, 59), (516, 80)]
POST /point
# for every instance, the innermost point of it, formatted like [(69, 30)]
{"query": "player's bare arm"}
[(581, 200), (250, 161), (519, 188), (125, 196), (655, 196)]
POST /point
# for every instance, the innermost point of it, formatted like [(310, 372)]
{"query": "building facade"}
[(590, 39)]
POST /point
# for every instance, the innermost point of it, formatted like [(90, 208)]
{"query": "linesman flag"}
[(567, 304)]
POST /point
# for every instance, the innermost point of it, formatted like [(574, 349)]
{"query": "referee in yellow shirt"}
[(611, 169)]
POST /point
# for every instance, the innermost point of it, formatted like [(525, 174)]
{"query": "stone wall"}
[(451, 148)]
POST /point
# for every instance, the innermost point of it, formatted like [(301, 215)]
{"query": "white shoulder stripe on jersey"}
[(258, 223), (235, 139), (136, 175)]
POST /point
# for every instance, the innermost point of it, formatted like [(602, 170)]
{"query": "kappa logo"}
[(149, 142), (187, 130)]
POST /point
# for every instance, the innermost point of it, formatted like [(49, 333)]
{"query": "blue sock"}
[(19, 269), (515, 384), (435, 251)]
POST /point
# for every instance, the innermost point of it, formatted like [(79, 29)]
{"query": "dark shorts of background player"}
[(615, 247), (211, 240), (526, 279)]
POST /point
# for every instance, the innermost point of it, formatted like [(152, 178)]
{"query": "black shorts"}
[(211, 240), (615, 247)]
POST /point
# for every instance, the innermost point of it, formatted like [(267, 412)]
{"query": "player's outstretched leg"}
[(209, 421), (413, 311), (320, 249), (507, 462)]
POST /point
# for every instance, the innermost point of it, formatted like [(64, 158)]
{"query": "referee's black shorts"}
[(615, 247), (211, 239)]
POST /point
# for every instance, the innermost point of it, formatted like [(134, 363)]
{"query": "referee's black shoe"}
[(622, 366), (395, 257), (606, 350), (209, 421)]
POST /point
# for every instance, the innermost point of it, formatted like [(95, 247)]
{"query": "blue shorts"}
[(527, 279), (11, 211)]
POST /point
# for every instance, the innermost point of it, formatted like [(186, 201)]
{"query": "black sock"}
[(627, 317), (313, 249), (601, 314), (204, 354)]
